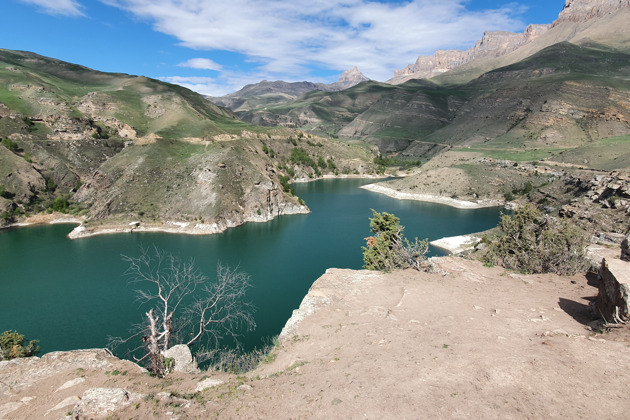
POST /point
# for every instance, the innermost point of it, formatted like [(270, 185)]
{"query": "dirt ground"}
[(470, 342)]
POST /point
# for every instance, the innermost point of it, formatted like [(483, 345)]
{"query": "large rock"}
[(625, 248), (12, 378), (614, 288), (100, 401), (184, 361)]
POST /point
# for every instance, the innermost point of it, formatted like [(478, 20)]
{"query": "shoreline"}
[(174, 227), (456, 244), (430, 198)]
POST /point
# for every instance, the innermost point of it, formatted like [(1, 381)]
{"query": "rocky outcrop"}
[(348, 78), (499, 43), (101, 401), (583, 10), (614, 291), (625, 247), (610, 191), (493, 44), (182, 358)]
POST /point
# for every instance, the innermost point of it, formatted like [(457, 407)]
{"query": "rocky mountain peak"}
[(499, 43), (347, 79), (582, 10), (352, 75), (492, 44)]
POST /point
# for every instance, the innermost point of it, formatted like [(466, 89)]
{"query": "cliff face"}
[(347, 79), (493, 44), (583, 10), (499, 43)]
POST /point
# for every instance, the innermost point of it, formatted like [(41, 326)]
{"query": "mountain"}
[(263, 94), (539, 94), (493, 44), (258, 95), (347, 79), (112, 147), (580, 21)]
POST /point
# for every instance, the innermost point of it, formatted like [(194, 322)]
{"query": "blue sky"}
[(216, 47)]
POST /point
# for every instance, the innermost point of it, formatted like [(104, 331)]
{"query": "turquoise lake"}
[(72, 294)]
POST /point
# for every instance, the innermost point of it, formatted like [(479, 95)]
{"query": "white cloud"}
[(57, 7), (285, 38), (201, 63)]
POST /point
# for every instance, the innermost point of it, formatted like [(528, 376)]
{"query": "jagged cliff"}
[(348, 78), (582, 10), (496, 44), (493, 44)]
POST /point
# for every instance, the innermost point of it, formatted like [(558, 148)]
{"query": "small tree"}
[(533, 243), (13, 345), (388, 249), (184, 306)]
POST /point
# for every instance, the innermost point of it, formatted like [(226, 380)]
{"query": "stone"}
[(100, 401), (9, 408), (70, 383), (208, 383), (614, 288), (625, 248), (70, 401), (184, 361)]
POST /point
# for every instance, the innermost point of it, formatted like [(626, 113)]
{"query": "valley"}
[(521, 141)]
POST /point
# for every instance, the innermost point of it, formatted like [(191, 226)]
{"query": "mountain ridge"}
[(579, 14), (111, 148), (259, 95)]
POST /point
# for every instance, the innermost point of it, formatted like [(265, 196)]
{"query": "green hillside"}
[(110, 147)]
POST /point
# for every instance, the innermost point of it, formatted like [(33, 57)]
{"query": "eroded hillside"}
[(113, 148)]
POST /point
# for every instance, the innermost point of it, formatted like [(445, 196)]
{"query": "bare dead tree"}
[(185, 306)]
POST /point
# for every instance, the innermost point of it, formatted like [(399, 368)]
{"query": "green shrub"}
[(13, 345), (60, 204), (530, 242), (6, 194), (388, 249), (9, 144), (284, 181), (299, 156)]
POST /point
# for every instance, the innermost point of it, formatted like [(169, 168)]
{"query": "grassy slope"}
[(178, 170), (28, 77), (500, 112)]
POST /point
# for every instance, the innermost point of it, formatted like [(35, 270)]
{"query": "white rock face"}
[(184, 361), (100, 401), (208, 383)]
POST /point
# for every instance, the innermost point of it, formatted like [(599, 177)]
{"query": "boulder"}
[(625, 247), (100, 401), (614, 288), (184, 361)]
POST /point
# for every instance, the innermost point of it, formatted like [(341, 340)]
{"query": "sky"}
[(217, 47)]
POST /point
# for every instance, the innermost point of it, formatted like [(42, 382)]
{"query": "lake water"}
[(72, 294)]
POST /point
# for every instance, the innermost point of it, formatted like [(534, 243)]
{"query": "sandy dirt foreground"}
[(472, 342)]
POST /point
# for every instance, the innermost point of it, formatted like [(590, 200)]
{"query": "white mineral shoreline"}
[(430, 198), (456, 244), (185, 228)]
